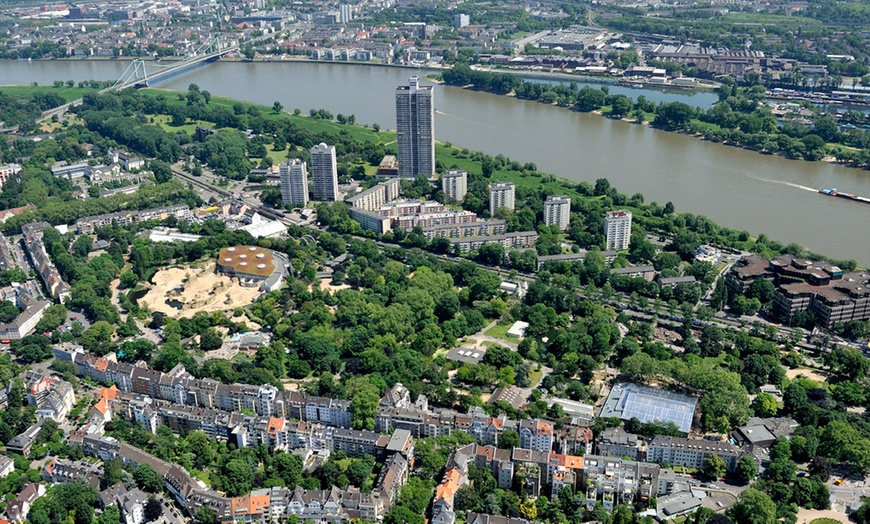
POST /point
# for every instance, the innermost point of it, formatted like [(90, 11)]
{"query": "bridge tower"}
[(135, 74)]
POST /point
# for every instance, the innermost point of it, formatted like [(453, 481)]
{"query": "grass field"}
[(67, 93), (452, 157), (357, 132), (189, 127), (498, 331), (824, 521), (535, 377)]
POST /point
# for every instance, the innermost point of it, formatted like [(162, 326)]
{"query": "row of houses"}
[(217, 401), (677, 451), (331, 505), (88, 225), (606, 480), (48, 273), (54, 398)]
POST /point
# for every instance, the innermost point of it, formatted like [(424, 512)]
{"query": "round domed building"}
[(253, 266)]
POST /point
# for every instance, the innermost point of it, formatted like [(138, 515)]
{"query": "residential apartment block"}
[(501, 194), (614, 481), (557, 211), (376, 196), (516, 239), (617, 229), (454, 183), (615, 442), (805, 285), (294, 183), (691, 453)]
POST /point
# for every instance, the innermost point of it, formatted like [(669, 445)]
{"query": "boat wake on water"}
[(783, 182)]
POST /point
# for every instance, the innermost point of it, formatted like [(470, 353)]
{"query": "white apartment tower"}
[(415, 129), (454, 183), (501, 194), (557, 211), (617, 228), (294, 183), (324, 173), (345, 13)]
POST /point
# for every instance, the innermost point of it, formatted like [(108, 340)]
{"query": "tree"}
[(820, 467), (153, 510), (746, 469), (509, 439), (210, 340), (780, 450), (403, 515), (111, 472), (467, 498), (764, 405), (147, 479), (714, 466), (129, 279), (753, 507), (206, 515), (238, 477), (364, 402), (8, 311), (110, 515), (277, 107), (288, 467), (97, 339)]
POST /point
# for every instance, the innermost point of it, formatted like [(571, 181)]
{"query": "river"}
[(736, 188)]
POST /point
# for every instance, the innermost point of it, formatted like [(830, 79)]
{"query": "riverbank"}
[(739, 123), (737, 188), (532, 75)]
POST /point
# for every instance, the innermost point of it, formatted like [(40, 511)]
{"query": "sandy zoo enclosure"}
[(182, 291)]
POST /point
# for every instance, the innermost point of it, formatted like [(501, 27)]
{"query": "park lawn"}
[(371, 170), (202, 475), (707, 126), (451, 157), (824, 520), (189, 127), (67, 93), (358, 132), (768, 19), (535, 377), (498, 331), (277, 156)]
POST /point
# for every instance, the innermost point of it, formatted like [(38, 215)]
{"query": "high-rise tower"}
[(415, 129), (324, 173), (294, 182)]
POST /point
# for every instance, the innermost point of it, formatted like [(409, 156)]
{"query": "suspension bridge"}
[(142, 74)]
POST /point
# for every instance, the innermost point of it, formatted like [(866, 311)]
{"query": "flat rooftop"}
[(628, 401)]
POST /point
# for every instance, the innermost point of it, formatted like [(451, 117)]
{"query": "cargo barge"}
[(848, 196)]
